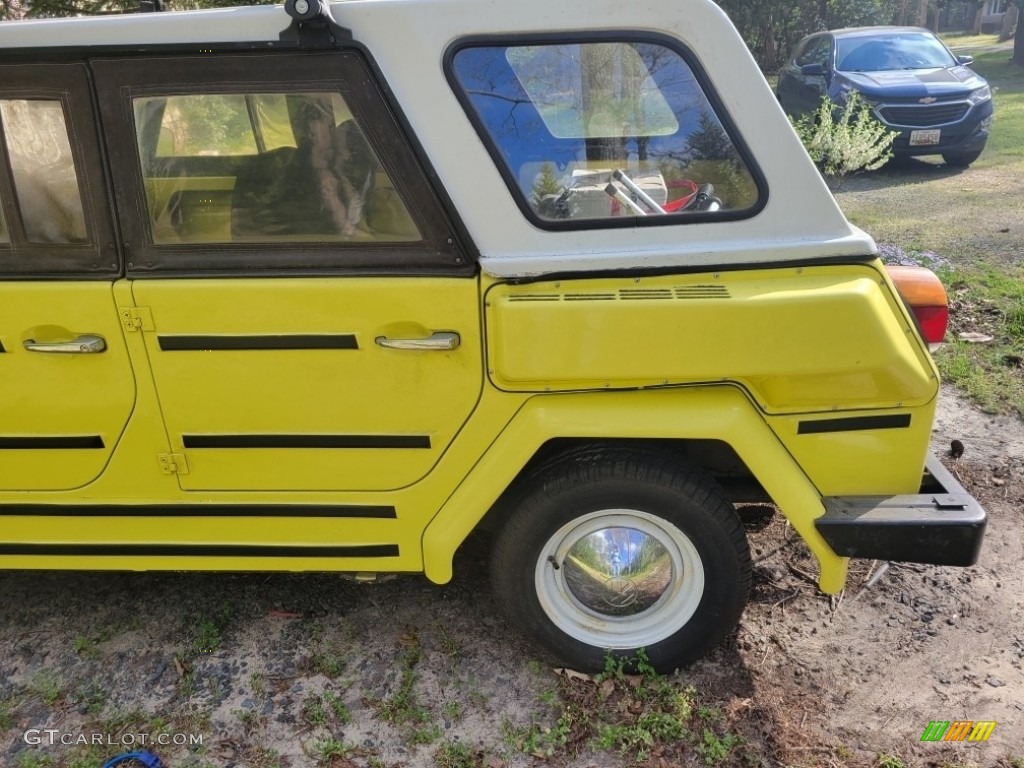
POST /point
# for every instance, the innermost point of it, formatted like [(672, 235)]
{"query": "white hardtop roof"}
[(408, 39)]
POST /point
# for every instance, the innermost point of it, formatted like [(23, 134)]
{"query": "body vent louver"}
[(701, 292), (590, 297), (535, 297), (633, 294)]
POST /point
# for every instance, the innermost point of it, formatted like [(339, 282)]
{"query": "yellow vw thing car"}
[(326, 288)]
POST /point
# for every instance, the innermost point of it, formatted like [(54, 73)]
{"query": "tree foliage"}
[(772, 27), (44, 9)]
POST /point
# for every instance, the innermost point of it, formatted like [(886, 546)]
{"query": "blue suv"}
[(912, 82)]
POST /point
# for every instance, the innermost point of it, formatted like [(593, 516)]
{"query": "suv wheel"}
[(960, 159), (617, 551)]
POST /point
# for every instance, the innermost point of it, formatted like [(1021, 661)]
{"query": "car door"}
[(813, 84), (311, 319), (66, 382)]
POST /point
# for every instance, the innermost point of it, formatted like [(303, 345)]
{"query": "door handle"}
[(438, 342), (86, 344)]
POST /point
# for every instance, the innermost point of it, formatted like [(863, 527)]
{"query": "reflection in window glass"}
[(44, 171), (604, 130), (4, 237), (892, 51), (217, 124), (266, 167), (589, 91)]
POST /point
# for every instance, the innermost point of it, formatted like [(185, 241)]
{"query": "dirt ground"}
[(273, 670)]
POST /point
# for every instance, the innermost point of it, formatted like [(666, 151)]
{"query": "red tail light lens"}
[(933, 322), (924, 295)]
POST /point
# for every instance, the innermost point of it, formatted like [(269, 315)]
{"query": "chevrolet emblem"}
[(927, 100)]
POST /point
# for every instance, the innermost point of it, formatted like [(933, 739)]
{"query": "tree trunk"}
[(1018, 44), (922, 13), (977, 20), (771, 62), (1009, 22)]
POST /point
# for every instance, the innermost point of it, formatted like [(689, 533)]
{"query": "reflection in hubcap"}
[(618, 571)]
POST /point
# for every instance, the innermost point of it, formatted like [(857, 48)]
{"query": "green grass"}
[(1007, 81), (326, 751), (47, 685), (965, 42), (990, 374), (454, 754), (974, 219), (26, 759), (634, 711), (86, 647), (7, 713)]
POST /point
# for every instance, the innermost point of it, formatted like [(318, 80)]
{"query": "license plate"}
[(924, 138)]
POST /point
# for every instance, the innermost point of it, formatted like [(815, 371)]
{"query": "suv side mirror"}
[(965, 60), (812, 70)]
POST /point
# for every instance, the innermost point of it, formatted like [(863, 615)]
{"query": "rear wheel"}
[(617, 551), (960, 159)]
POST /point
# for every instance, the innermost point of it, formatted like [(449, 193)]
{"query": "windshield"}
[(909, 50)]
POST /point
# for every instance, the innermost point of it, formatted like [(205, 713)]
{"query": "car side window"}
[(603, 132), (815, 51), (257, 163), (263, 167), (46, 184)]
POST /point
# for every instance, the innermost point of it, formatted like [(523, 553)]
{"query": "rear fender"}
[(719, 413)]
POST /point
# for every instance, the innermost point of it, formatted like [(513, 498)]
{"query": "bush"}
[(845, 139)]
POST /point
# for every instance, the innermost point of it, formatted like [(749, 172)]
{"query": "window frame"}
[(98, 258), (346, 71), (670, 43)]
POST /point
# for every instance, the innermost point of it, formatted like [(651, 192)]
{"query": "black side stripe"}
[(853, 424), (306, 441), (51, 443), (267, 342), (199, 510), (198, 550)]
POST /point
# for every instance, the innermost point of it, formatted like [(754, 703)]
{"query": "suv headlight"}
[(978, 95)]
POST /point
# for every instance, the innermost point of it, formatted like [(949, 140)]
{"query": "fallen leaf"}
[(572, 674), (179, 666), (275, 614), (607, 688), (972, 337), (635, 680)]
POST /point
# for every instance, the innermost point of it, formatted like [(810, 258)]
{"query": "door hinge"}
[(136, 318), (172, 463)]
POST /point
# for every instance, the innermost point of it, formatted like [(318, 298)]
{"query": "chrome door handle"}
[(443, 341), (86, 344)]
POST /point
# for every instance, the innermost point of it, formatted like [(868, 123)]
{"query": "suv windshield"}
[(909, 50)]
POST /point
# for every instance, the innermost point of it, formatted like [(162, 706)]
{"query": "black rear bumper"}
[(941, 525)]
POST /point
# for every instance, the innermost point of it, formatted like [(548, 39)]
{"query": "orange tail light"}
[(925, 295)]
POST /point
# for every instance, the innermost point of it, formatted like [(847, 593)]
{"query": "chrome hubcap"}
[(618, 571), (619, 579)]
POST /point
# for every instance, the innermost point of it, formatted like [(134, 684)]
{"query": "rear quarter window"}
[(599, 133)]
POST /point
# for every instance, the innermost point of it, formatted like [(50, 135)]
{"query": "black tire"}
[(687, 571), (960, 159)]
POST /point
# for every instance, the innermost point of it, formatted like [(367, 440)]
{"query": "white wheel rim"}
[(624, 579)]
